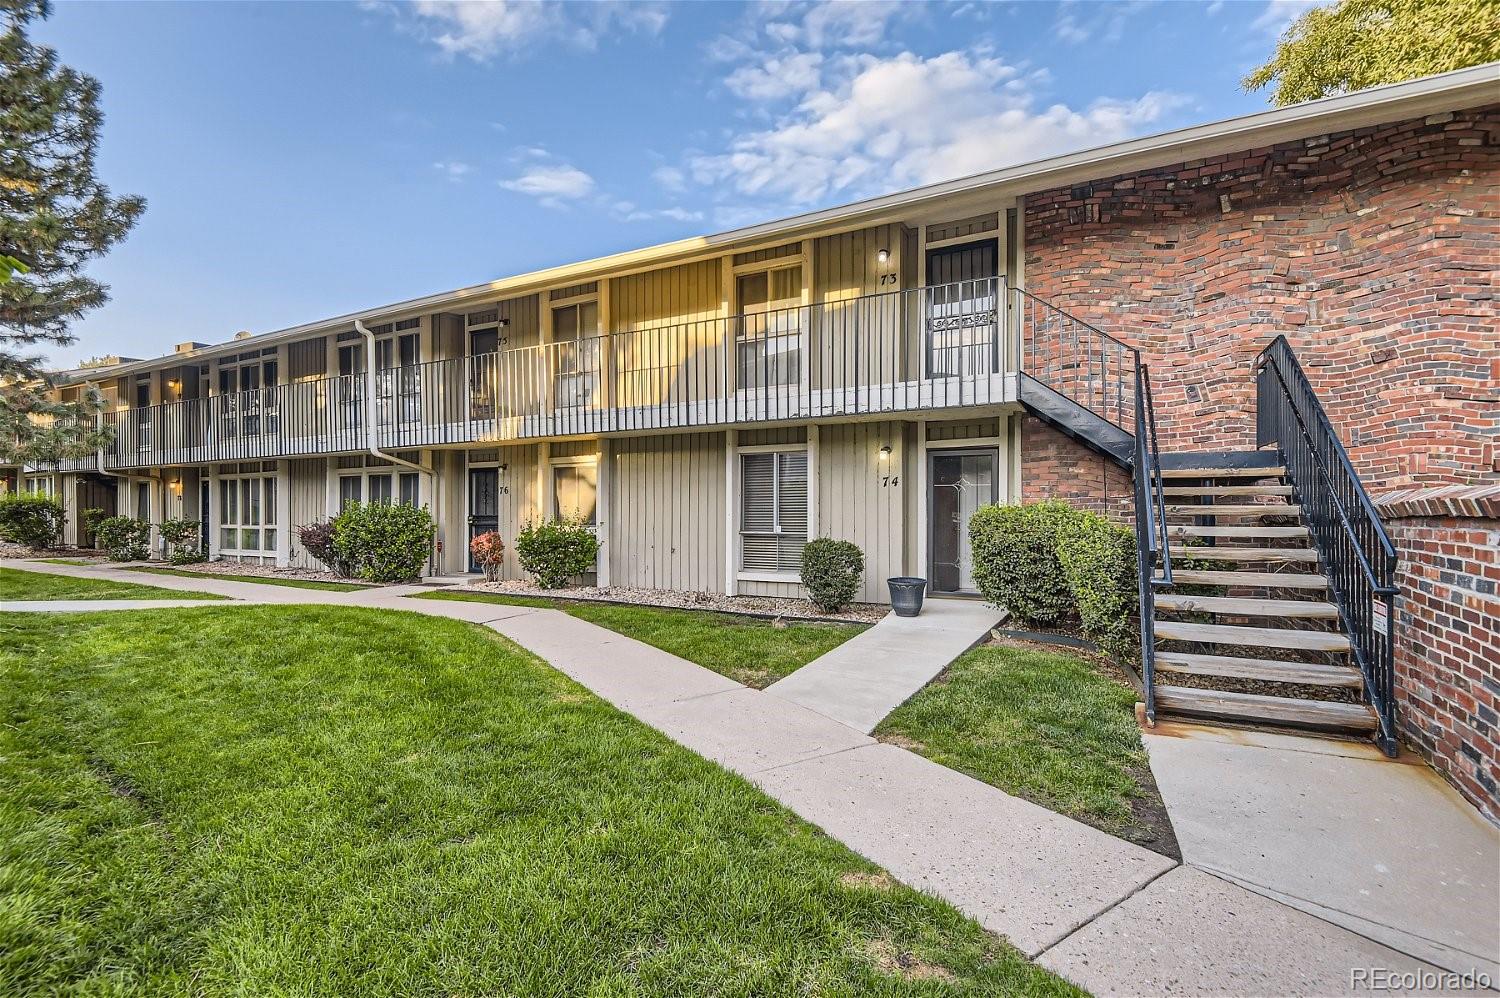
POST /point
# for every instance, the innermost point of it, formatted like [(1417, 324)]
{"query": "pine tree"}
[(55, 216)]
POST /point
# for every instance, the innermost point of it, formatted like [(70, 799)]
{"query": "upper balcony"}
[(918, 350)]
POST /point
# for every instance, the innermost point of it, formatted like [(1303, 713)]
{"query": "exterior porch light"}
[(885, 452), (883, 256)]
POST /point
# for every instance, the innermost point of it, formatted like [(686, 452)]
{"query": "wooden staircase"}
[(1247, 632)]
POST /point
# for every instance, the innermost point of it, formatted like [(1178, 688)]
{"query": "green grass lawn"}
[(748, 650), (16, 584), (1047, 726), (265, 580), (316, 800), (62, 561)]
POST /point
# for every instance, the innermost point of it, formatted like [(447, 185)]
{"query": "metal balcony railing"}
[(900, 351)]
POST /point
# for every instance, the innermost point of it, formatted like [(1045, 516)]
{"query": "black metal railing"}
[(1077, 360), (921, 348), (1355, 551), (1152, 545)]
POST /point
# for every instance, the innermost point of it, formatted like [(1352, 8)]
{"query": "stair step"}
[(1226, 490), (1270, 580), (1245, 554), (1271, 472), (1226, 509), (1247, 606), (1260, 637), (1256, 708), (1262, 669), (1251, 530)]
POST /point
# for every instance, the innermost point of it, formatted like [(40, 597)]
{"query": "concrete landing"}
[(873, 673), (1384, 849)]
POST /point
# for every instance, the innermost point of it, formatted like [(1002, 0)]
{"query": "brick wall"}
[(1055, 466), (1448, 633), (1375, 251)]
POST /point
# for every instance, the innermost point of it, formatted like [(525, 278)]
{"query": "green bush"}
[(90, 518), (383, 542), (556, 552), (124, 538), (32, 520), (831, 572), (1098, 560), (182, 541), (1015, 559)]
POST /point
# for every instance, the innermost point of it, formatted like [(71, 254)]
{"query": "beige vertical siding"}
[(969, 429), (309, 503), (667, 520), (863, 499), (523, 322), (306, 359), (668, 341), (773, 435), (857, 342), (519, 501)]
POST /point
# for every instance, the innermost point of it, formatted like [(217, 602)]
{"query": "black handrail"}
[(1152, 545), (1356, 552)]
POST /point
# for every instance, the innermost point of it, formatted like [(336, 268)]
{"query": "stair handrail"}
[(1358, 558), (1076, 355), (1152, 543)]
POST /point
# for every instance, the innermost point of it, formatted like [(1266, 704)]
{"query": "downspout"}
[(372, 429)]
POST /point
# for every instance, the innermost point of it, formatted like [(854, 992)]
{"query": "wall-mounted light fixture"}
[(174, 384), (176, 486), (885, 452), (884, 256), (504, 468)]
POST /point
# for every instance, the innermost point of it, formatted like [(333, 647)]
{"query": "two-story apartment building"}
[(877, 371)]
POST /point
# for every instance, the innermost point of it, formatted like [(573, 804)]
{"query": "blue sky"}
[(304, 160)]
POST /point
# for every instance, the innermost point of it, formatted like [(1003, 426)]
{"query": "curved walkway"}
[(1109, 915)]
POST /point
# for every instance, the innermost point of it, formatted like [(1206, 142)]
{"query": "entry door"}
[(961, 482), (484, 504), (962, 295)]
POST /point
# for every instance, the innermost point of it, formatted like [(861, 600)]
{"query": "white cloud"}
[(846, 23), (669, 178), (1279, 14), (877, 124), (482, 29), (1076, 23), (453, 170), (777, 77), (553, 184)]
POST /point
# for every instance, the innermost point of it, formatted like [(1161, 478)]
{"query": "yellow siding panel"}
[(668, 343)]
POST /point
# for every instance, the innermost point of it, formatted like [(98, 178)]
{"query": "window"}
[(381, 487), (249, 405), (247, 514), (575, 492), (39, 485), (773, 510), (143, 501), (768, 336), (575, 330), (398, 380), (351, 489)]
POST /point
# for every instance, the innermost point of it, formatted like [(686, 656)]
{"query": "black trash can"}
[(906, 595)]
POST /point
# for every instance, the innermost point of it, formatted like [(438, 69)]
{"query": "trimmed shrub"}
[(831, 572), (317, 540), (182, 541), (556, 552), (488, 552), (1015, 559), (124, 538), (1098, 560), (32, 520), (383, 542), (90, 519)]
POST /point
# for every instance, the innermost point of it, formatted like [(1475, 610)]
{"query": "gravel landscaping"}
[(760, 606)]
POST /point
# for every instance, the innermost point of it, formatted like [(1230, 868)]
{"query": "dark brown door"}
[(962, 295), (93, 492), (960, 481)]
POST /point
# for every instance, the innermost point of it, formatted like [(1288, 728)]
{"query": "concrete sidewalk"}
[(876, 671), (1384, 848), (1107, 914)]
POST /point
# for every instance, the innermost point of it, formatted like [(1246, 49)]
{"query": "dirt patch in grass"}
[(897, 962), (879, 881)]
